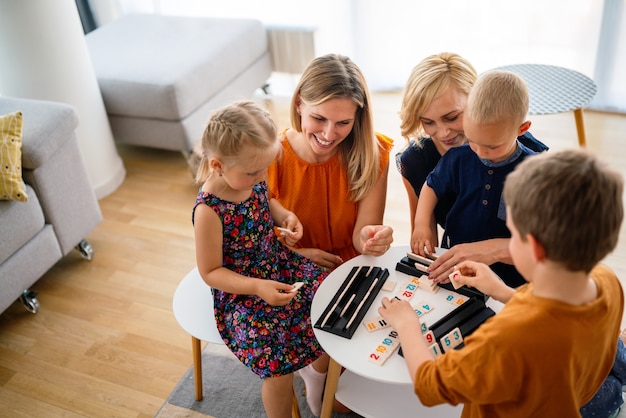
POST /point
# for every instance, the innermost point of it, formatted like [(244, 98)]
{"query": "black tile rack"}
[(346, 310)]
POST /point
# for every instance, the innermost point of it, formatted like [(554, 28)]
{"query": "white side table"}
[(193, 309), (554, 89)]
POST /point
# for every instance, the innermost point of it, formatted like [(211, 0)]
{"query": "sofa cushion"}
[(11, 183), (165, 67), (20, 222), (47, 125)]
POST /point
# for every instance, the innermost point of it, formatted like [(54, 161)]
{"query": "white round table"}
[(367, 388)]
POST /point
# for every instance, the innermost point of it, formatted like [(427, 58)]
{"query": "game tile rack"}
[(346, 310), (415, 265), (465, 319)]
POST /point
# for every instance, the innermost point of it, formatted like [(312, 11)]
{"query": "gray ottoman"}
[(161, 76)]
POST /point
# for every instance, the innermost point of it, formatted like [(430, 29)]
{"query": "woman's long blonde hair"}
[(335, 76)]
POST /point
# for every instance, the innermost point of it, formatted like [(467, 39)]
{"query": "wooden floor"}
[(106, 344)]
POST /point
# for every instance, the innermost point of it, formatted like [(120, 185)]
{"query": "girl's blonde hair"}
[(428, 80), (335, 76), (233, 127)]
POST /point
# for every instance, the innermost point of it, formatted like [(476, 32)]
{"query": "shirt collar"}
[(518, 151)]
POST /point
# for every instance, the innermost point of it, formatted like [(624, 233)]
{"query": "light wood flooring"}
[(106, 344)]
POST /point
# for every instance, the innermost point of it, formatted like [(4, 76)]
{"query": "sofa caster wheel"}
[(85, 249), (29, 299)]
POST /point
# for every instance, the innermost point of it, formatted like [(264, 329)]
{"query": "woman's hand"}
[(486, 252), (376, 239), (323, 259)]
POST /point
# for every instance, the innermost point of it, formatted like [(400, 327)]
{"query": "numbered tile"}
[(456, 299), (435, 349), (407, 291), (424, 328), (377, 358), (422, 308), (453, 280), (451, 339), (385, 349), (429, 336), (375, 324), (428, 285)]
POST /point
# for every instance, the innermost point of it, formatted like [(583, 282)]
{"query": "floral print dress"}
[(270, 340)]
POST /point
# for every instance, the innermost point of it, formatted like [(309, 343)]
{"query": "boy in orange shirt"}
[(564, 211)]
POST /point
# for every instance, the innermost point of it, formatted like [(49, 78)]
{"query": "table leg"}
[(580, 127), (332, 379), (197, 366)]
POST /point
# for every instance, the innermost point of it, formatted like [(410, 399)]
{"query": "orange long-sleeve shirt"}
[(536, 358)]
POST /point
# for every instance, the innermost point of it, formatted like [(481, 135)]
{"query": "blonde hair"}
[(335, 76), (498, 97), (229, 129), (428, 80), (570, 202)]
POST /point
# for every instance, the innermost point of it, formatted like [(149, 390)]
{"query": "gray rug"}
[(230, 389)]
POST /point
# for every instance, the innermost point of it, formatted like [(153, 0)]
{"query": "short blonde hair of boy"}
[(335, 76), (498, 97), (428, 80), (570, 202), (232, 127)]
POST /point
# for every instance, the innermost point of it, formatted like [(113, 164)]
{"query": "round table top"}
[(353, 353), (553, 89), (193, 308)]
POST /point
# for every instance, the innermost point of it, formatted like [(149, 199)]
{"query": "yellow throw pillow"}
[(11, 183)]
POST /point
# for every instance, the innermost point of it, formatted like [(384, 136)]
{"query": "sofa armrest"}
[(54, 167)]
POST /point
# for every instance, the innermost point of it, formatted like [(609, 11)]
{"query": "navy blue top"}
[(419, 159), (478, 212)]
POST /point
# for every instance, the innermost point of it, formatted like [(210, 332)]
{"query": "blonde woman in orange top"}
[(333, 169)]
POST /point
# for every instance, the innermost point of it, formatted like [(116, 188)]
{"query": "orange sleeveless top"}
[(319, 196)]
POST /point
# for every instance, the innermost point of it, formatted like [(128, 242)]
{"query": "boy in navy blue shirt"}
[(494, 117)]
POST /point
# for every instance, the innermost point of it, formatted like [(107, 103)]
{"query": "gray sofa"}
[(62, 208)]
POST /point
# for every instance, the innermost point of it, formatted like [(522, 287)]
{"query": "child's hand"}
[(399, 314), (291, 223), (376, 239), (481, 277), (421, 238), (275, 293)]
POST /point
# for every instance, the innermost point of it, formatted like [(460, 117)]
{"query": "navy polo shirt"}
[(478, 212)]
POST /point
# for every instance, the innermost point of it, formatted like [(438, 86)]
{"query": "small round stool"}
[(193, 309), (554, 89)]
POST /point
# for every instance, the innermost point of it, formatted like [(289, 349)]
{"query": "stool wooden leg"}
[(580, 127), (295, 408), (197, 366), (332, 379)]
